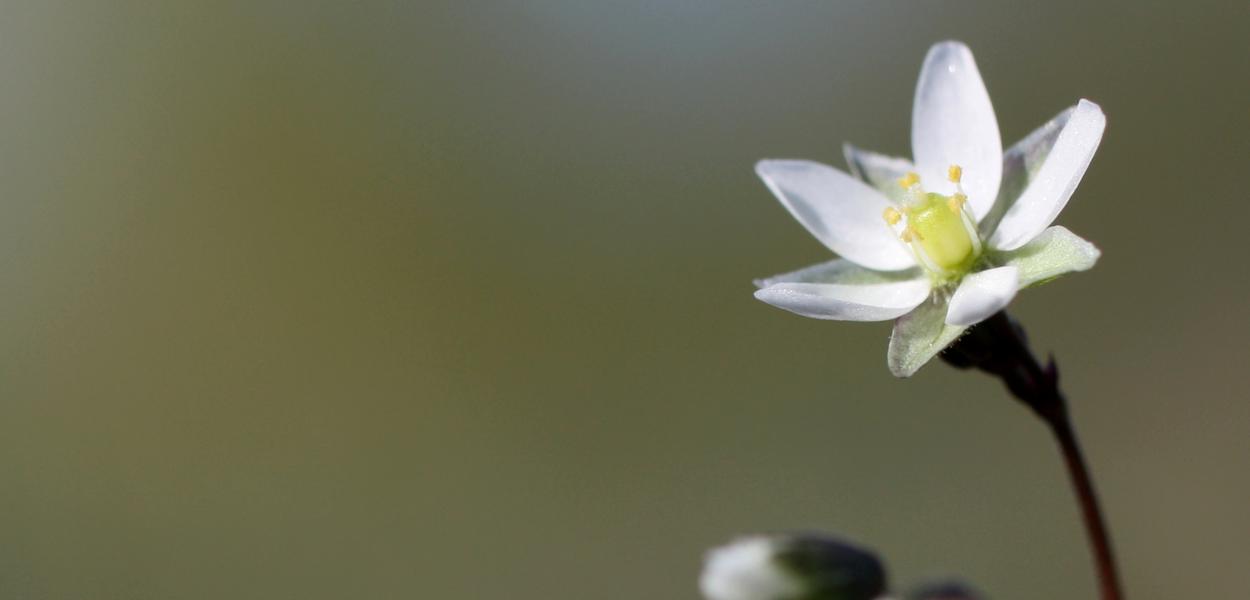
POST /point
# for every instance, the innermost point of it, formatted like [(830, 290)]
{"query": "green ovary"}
[(940, 232)]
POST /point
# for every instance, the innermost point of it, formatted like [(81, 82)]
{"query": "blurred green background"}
[(406, 300)]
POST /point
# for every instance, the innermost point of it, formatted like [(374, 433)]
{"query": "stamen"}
[(892, 216), (939, 229), (956, 202), (955, 173), (908, 180)]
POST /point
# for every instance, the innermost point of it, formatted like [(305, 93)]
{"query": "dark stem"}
[(999, 347), (1095, 525)]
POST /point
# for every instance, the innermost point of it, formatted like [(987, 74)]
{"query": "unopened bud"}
[(791, 567)]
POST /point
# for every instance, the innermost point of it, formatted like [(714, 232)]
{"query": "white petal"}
[(981, 295), (841, 211), (1021, 163), (1048, 192), (878, 170), (953, 123), (839, 270), (871, 302)]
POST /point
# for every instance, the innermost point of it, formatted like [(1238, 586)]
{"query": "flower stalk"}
[(999, 346)]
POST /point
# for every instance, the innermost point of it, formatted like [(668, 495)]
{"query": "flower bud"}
[(791, 567)]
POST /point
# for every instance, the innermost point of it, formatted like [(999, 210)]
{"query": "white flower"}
[(945, 242), (786, 567)]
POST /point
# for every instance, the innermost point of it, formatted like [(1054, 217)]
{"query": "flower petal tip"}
[(765, 167), (949, 49), (1084, 104)]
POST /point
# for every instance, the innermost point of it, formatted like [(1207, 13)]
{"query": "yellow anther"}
[(908, 180), (955, 173), (892, 216), (911, 233), (956, 202), (906, 237)]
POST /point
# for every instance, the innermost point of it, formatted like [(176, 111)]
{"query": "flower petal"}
[(841, 211), (919, 336), (870, 302), (1020, 165), (839, 270), (982, 294), (1048, 192), (1055, 252), (953, 123), (879, 170)]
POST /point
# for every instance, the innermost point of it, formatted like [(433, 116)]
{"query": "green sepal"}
[(1052, 253), (919, 336)]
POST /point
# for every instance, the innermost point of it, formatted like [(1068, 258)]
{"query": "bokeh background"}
[(414, 300)]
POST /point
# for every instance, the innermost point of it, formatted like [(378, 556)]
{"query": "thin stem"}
[(1095, 525), (999, 347)]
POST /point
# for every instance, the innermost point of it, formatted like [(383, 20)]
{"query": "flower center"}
[(940, 230)]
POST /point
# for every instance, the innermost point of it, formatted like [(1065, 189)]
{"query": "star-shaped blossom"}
[(942, 243)]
